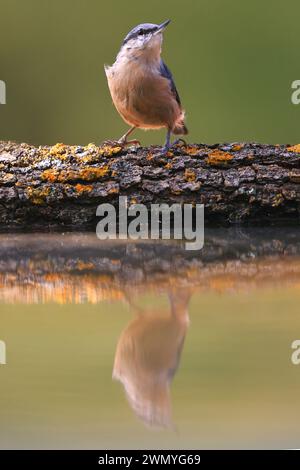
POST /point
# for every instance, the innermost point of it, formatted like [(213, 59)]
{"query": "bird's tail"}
[(180, 127)]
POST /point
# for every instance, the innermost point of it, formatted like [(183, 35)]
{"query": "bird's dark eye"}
[(141, 31)]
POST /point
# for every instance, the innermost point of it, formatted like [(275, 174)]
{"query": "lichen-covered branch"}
[(61, 185)]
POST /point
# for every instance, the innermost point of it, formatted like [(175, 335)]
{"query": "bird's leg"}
[(167, 143), (123, 140)]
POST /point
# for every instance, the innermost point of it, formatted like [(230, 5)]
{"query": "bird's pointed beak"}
[(162, 26)]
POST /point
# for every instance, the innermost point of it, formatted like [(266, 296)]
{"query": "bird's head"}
[(144, 38)]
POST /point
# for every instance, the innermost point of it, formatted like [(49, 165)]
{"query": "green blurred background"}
[(233, 62)]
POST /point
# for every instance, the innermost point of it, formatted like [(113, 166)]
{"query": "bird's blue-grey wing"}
[(166, 72)]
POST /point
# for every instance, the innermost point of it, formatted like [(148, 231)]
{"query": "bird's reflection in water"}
[(147, 357)]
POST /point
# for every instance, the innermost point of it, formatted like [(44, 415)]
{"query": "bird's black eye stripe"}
[(137, 33)]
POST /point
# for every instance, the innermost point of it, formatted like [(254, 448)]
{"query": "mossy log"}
[(62, 185)]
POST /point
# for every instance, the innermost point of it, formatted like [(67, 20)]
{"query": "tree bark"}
[(61, 186)]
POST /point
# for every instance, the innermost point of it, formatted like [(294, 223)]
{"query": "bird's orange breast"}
[(142, 96)]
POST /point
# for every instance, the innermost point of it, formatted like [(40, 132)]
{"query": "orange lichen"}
[(85, 174), (50, 175), (191, 150), (83, 188), (189, 175), (218, 157), (92, 173), (237, 147), (294, 148)]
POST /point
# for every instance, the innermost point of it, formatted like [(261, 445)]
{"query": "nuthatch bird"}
[(142, 86)]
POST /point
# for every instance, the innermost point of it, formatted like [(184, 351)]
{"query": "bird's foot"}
[(132, 142), (169, 146), (179, 141), (165, 149)]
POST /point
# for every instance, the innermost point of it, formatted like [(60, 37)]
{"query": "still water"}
[(146, 345)]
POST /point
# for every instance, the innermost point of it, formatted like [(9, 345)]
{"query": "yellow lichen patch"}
[(133, 200), (8, 178), (218, 157), (237, 147), (58, 149), (294, 148), (189, 175), (168, 166), (37, 196), (278, 200), (85, 174), (109, 151), (170, 153), (91, 147)]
